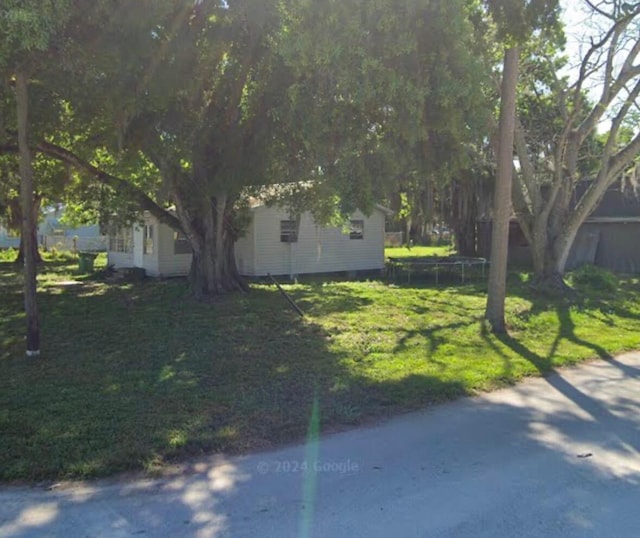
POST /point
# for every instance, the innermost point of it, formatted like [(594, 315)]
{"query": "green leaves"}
[(28, 26), (518, 19), (385, 90)]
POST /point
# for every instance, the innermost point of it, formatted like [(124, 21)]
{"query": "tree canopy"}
[(214, 97), (558, 142), (162, 103), (27, 32)]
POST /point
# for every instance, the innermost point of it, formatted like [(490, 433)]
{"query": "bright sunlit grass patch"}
[(419, 251)]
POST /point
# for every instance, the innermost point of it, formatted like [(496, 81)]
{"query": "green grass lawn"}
[(134, 376)]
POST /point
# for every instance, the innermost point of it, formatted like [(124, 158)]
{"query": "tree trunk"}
[(549, 278), (549, 251), (213, 267), (497, 286), (34, 245), (34, 235), (407, 232), (463, 216), (28, 224), (466, 236)]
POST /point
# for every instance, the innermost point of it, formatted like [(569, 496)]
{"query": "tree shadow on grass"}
[(501, 458), (135, 376), (140, 375), (446, 306), (449, 286), (567, 331), (608, 309), (204, 492), (584, 401), (545, 367), (326, 298), (584, 298), (431, 335)]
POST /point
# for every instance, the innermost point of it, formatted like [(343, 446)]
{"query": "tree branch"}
[(625, 156), (619, 119), (611, 86), (117, 183), (527, 173), (607, 175)]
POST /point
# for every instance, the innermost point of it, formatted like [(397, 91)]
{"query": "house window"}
[(121, 241), (288, 231), (181, 243), (356, 229), (147, 243)]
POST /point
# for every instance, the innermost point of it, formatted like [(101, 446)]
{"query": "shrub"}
[(596, 278), (8, 255)]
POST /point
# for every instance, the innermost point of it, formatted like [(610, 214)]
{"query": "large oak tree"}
[(602, 95), (218, 96)]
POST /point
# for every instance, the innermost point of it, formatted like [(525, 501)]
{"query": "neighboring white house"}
[(8, 239), (53, 234), (274, 244)]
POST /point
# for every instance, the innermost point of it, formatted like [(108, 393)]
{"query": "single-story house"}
[(8, 239), (52, 233), (275, 243), (609, 237)]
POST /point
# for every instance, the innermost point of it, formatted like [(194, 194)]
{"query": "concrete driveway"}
[(550, 457)]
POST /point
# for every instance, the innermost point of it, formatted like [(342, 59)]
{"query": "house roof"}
[(617, 204)]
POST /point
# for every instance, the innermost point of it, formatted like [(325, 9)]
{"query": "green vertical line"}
[(310, 476)]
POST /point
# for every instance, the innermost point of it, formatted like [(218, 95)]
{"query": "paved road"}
[(550, 457)]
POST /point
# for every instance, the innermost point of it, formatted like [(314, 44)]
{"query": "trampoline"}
[(436, 265)]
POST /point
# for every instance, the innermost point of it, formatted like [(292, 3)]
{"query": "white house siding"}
[(148, 261), (138, 259), (260, 251), (245, 252), (7, 240), (135, 258), (54, 234), (169, 263), (119, 259), (318, 249)]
